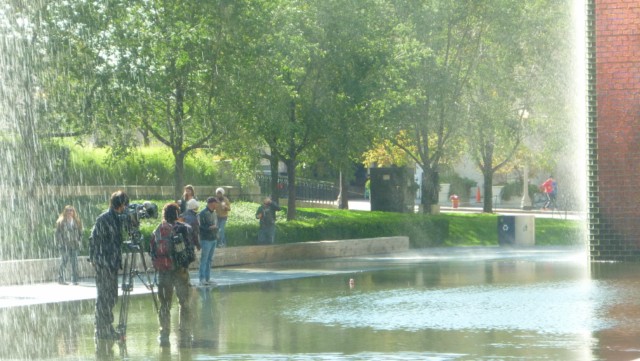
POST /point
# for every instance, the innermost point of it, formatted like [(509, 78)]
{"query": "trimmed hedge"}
[(316, 224), (453, 229)]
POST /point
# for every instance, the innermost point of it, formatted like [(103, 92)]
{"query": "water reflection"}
[(531, 307)]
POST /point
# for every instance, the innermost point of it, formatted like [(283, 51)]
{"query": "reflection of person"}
[(550, 189), (171, 249), (69, 239), (106, 255), (266, 213), (189, 193), (208, 232), (222, 211)]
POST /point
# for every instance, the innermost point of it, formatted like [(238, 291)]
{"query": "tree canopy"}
[(303, 81)]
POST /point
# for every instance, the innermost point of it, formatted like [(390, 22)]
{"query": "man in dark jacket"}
[(266, 213), (208, 222), (106, 256)]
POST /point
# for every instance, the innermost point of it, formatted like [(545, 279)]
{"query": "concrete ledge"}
[(46, 270)]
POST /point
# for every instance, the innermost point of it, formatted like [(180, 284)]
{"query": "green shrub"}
[(152, 165), (315, 224)]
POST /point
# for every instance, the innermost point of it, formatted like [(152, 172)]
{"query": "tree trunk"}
[(487, 205), (291, 178), (275, 184), (179, 173), (430, 188)]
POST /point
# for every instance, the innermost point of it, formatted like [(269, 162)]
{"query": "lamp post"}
[(526, 200)]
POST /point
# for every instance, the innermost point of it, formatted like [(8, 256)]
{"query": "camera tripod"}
[(133, 254)]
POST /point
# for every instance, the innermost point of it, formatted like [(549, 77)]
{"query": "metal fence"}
[(306, 189)]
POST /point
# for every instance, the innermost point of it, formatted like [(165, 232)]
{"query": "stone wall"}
[(614, 128), (46, 270)]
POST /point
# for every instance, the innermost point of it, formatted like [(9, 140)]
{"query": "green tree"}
[(307, 90), (437, 56), (162, 67), (506, 102)]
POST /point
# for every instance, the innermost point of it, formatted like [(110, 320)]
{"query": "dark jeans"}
[(267, 234), (107, 288)]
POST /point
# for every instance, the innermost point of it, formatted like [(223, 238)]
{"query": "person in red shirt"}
[(549, 188)]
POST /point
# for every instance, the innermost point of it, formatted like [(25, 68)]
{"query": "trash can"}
[(516, 230)]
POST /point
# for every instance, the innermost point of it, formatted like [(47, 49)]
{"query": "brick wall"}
[(614, 129)]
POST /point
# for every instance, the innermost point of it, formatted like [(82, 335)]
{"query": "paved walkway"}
[(365, 205), (52, 292)]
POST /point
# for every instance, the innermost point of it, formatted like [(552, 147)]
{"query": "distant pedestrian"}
[(190, 217), (223, 208), (68, 238), (367, 188), (550, 189), (187, 194), (209, 232), (266, 213)]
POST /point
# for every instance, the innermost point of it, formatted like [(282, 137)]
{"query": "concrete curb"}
[(46, 270)]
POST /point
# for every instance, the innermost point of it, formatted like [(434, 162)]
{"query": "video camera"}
[(132, 216)]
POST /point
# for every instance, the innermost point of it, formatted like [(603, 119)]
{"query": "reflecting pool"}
[(434, 304)]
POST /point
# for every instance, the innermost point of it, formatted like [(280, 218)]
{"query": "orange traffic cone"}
[(478, 195)]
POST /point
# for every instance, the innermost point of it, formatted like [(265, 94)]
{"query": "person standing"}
[(266, 213), (172, 250), (222, 211), (190, 217), (106, 256), (68, 239), (208, 235), (187, 194)]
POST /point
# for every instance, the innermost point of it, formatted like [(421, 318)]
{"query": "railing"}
[(306, 189)]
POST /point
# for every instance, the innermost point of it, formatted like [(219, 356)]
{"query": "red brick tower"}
[(613, 34)]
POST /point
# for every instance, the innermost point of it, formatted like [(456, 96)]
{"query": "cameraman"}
[(106, 256)]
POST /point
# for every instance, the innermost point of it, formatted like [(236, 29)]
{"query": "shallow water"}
[(462, 304)]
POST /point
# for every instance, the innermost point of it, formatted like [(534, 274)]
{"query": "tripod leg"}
[(127, 285), (148, 282)]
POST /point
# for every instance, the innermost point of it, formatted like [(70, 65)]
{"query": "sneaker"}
[(210, 283)]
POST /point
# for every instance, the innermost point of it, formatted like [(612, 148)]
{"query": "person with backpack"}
[(266, 213), (172, 250)]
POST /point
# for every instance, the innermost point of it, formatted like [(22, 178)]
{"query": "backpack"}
[(172, 247)]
